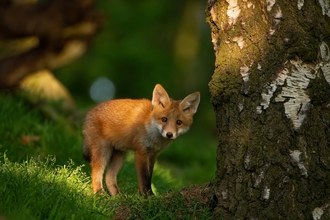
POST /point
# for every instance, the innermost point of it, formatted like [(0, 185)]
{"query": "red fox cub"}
[(144, 126)]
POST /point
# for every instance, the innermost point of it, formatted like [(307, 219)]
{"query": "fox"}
[(145, 127)]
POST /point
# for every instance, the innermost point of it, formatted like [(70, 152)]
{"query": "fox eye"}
[(164, 119), (178, 122)]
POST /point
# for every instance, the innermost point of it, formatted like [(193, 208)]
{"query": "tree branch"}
[(63, 28)]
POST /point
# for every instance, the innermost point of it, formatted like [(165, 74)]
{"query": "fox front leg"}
[(144, 166)]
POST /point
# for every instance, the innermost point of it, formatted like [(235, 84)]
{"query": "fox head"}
[(172, 117)]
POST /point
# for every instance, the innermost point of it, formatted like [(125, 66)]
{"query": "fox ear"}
[(160, 96), (190, 104)]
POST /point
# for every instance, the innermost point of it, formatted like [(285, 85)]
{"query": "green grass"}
[(35, 189), (191, 158), (34, 185), (19, 119), (173, 205)]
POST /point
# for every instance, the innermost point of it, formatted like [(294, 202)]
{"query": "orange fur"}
[(143, 126)]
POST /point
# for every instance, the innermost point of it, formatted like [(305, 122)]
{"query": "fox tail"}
[(86, 153)]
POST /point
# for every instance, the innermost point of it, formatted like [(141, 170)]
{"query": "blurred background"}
[(138, 45), (144, 43)]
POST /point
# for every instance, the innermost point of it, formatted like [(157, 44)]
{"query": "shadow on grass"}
[(41, 190)]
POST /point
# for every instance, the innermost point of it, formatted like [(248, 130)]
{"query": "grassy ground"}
[(34, 185), (41, 190)]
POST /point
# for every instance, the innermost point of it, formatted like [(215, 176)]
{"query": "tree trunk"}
[(271, 95)]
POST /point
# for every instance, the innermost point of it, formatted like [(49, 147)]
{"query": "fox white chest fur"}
[(154, 141), (143, 126)]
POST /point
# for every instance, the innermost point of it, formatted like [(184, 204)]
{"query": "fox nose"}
[(169, 134)]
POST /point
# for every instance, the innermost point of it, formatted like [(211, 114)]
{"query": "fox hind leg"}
[(100, 157), (115, 164)]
